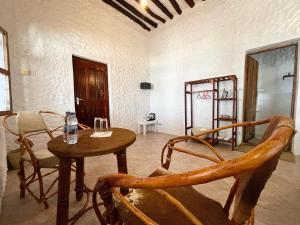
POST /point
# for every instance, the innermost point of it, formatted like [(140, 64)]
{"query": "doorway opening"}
[(270, 87), (90, 90)]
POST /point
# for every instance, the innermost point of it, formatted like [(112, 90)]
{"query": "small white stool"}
[(144, 123)]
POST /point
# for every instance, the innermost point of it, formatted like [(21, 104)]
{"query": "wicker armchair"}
[(166, 198), (29, 125)]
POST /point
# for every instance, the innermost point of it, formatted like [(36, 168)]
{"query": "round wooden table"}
[(85, 147)]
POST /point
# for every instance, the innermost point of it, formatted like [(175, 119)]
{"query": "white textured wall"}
[(49, 32), (43, 35), (3, 165), (212, 40), (7, 21)]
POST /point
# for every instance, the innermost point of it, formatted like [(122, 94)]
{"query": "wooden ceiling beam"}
[(137, 13), (151, 13), (191, 3), (126, 13), (176, 6), (163, 8)]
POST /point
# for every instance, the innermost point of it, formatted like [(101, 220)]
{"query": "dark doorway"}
[(270, 87), (90, 90)]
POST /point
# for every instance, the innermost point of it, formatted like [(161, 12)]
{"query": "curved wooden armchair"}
[(28, 125), (166, 198)]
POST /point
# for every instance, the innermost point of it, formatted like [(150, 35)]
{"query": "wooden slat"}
[(188, 214), (163, 8), (134, 11), (176, 6), (126, 13), (133, 209), (151, 13), (191, 3)]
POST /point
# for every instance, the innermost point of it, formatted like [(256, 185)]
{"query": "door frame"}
[(295, 80), (108, 81), (246, 91)]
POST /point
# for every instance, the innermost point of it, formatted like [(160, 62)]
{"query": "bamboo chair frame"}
[(264, 152), (36, 175)]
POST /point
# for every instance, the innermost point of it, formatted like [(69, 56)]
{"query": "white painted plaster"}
[(7, 21), (212, 40), (49, 32), (43, 35), (3, 165)]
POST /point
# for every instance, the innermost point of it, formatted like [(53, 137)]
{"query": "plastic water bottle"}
[(72, 129), (65, 128)]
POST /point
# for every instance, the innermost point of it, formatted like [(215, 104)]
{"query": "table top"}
[(147, 122), (87, 146)]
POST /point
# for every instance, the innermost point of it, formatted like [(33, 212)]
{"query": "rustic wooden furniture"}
[(167, 198), (27, 125), (85, 147), (189, 94)]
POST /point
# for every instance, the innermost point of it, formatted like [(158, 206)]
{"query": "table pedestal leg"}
[(64, 174), (79, 178), (122, 167)]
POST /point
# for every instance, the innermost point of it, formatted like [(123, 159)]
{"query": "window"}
[(5, 97)]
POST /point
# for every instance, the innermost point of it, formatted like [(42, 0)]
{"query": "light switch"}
[(25, 72)]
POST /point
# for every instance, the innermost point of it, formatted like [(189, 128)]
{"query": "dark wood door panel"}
[(90, 90), (251, 96)]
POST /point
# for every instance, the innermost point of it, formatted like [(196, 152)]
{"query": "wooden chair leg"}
[(21, 174), (250, 221), (166, 165), (107, 198), (42, 194), (122, 167)]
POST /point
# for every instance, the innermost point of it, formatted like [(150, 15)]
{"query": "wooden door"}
[(250, 96), (90, 90)]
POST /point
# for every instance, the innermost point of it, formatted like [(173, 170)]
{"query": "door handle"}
[(78, 100)]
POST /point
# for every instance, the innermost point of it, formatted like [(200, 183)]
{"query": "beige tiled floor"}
[(278, 205)]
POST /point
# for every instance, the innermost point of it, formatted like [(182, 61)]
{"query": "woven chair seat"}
[(46, 159), (163, 212)]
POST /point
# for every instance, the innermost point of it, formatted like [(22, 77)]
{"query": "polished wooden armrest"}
[(170, 146), (221, 170), (242, 124), (5, 125), (251, 170)]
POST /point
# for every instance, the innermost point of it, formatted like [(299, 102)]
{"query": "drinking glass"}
[(100, 125), (97, 125), (103, 124)]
